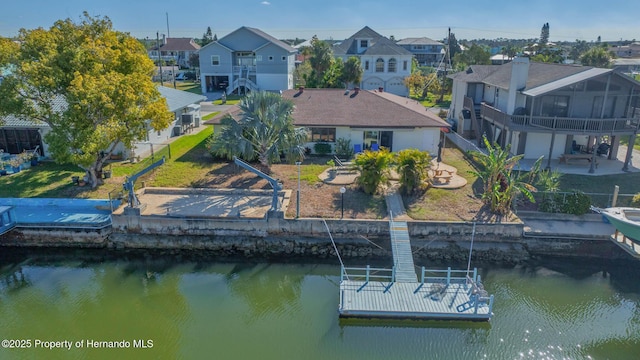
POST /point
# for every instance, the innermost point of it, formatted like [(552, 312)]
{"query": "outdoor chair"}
[(375, 147), (357, 148)]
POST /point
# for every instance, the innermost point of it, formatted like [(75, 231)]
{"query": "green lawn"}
[(186, 85), (231, 100), (210, 116), (52, 180)]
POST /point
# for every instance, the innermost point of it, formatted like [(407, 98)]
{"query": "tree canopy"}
[(352, 71), (264, 131), (475, 55), (91, 85), (501, 182), (596, 56), (544, 34)]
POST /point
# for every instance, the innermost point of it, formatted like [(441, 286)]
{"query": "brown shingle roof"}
[(333, 107), (179, 44)]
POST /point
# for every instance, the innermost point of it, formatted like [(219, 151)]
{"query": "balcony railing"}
[(560, 124)]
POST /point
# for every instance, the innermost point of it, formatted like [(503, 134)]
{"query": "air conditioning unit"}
[(187, 119)]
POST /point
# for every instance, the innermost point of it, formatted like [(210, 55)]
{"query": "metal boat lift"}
[(134, 207), (275, 184)]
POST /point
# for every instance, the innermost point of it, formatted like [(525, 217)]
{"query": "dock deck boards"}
[(407, 300), (365, 292)]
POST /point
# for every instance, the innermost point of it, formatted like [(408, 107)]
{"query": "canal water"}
[(175, 308)]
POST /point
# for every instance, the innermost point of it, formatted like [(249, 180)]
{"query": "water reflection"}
[(203, 309)]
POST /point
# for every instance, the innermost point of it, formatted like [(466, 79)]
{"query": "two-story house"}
[(247, 59), (384, 64), (174, 51), (427, 52), (544, 109)]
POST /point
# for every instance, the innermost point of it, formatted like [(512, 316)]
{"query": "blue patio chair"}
[(357, 148), (375, 147)]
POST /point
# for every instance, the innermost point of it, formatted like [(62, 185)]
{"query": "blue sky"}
[(339, 19)]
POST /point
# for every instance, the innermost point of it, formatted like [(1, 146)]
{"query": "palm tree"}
[(264, 131), (412, 165), (374, 169), (501, 183)]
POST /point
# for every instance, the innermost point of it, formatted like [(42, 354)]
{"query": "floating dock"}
[(397, 293)]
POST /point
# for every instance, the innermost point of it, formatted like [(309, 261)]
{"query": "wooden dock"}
[(397, 293)]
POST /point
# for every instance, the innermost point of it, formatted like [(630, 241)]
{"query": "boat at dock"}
[(626, 220)]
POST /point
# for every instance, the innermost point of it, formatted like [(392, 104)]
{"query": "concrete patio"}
[(581, 167)]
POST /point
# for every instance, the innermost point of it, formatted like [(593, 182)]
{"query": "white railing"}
[(447, 276), (367, 274)]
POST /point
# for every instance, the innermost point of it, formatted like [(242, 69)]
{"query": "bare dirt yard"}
[(318, 199)]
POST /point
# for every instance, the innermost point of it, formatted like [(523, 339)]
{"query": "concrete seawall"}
[(278, 237)]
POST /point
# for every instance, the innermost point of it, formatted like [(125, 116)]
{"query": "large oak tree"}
[(90, 83)]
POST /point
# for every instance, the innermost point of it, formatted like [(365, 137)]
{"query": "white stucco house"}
[(384, 63), (364, 117)]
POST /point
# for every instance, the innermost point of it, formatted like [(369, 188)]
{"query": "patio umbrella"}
[(440, 151)]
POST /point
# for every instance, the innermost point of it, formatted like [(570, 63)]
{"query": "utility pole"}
[(444, 75), (159, 58)]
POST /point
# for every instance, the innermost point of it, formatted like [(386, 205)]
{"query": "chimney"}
[(164, 39), (380, 89), (519, 76), (301, 89), (356, 90)]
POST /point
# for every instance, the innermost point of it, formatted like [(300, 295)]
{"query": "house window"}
[(215, 60), (258, 57), (392, 65), (270, 58), (418, 47), (555, 106), (366, 65), (379, 65), (364, 43), (404, 65), (322, 134)]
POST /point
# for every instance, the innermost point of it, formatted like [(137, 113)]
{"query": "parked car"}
[(180, 76)]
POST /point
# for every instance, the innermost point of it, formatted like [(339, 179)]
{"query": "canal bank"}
[(276, 237)]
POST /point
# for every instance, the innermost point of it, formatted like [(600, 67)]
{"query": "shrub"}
[(412, 165), (576, 203), (322, 148), (374, 169), (344, 150), (636, 200)]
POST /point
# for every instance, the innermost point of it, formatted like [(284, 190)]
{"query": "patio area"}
[(581, 167)]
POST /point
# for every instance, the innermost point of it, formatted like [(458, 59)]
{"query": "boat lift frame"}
[(275, 184), (134, 205)]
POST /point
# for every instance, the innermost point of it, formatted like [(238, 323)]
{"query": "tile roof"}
[(335, 107), (179, 44), (379, 45)]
